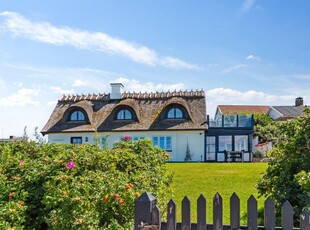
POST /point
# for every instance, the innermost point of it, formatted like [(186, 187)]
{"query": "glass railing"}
[(231, 121)]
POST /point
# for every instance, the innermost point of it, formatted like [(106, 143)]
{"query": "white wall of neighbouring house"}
[(179, 140), (274, 114)]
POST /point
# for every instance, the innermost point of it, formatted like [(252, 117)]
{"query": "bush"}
[(77, 187), (288, 173)]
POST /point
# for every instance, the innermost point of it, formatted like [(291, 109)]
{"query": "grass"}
[(193, 179)]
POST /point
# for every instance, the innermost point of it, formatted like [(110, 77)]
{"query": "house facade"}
[(230, 134), (229, 138), (172, 120), (282, 113)]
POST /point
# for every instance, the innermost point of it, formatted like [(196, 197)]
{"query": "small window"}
[(163, 143), (76, 140), (175, 113), (124, 114), (77, 115)]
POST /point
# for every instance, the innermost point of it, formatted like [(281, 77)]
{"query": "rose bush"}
[(58, 186)]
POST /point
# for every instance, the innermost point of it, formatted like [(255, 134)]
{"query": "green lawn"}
[(193, 179)]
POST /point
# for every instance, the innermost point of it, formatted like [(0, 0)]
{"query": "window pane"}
[(155, 141), (175, 113), (241, 143), (74, 116), (120, 115), (127, 115), (168, 143), (230, 120), (103, 140), (80, 116), (170, 113), (76, 140), (225, 143), (210, 148), (162, 142), (178, 113), (245, 120)]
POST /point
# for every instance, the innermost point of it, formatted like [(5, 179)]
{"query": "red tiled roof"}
[(239, 109)]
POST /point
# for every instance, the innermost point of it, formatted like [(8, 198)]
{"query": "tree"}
[(265, 128), (287, 175), (188, 156)]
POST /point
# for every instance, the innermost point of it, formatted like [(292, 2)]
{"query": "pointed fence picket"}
[(148, 217)]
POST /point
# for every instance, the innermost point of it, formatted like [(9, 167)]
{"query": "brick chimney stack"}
[(299, 101)]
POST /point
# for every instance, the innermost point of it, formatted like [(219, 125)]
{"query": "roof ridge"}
[(80, 97), (167, 94)]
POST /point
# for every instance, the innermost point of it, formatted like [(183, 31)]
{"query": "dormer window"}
[(77, 115), (175, 113), (124, 114)]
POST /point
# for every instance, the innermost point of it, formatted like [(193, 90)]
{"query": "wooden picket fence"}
[(148, 216)]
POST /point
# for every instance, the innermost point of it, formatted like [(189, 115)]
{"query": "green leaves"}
[(287, 176), (85, 186)]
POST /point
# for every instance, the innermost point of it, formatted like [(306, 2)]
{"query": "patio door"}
[(210, 148)]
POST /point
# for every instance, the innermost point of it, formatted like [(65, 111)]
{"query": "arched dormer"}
[(76, 114), (125, 113), (175, 111)]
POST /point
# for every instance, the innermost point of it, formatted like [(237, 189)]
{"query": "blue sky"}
[(240, 52)]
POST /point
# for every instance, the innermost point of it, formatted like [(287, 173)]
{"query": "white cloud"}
[(78, 83), (23, 97), (58, 90), (18, 84), (247, 5), (136, 86), (51, 103), (233, 68), (47, 33), (251, 57)]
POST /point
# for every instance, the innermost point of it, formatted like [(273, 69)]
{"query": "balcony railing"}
[(231, 121)]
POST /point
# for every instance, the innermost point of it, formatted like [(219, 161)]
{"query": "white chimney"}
[(116, 90)]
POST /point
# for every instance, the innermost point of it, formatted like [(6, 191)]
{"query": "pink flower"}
[(70, 165), (127, 138), (21, 162)]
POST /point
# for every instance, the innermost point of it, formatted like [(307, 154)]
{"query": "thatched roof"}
[(149, 112)]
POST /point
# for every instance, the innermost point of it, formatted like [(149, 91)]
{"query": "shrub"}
[(86, 187), (287, 175)]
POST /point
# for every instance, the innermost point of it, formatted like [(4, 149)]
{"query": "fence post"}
[(234, 212), (186, 214), (201, 213), (270, 222), (305, 220), (144, 206), (171, 215), (287, 216), (252, 213), (217, 212)]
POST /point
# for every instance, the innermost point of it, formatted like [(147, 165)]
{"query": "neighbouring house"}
[(231, 132), (229, 138), (11, 139), (282, 113), (262, 148), (172, 120), (240, 109)]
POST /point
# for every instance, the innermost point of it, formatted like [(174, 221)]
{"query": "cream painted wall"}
[(179, 140)]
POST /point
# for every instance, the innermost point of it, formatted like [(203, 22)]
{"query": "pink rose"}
[(70, 165)]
